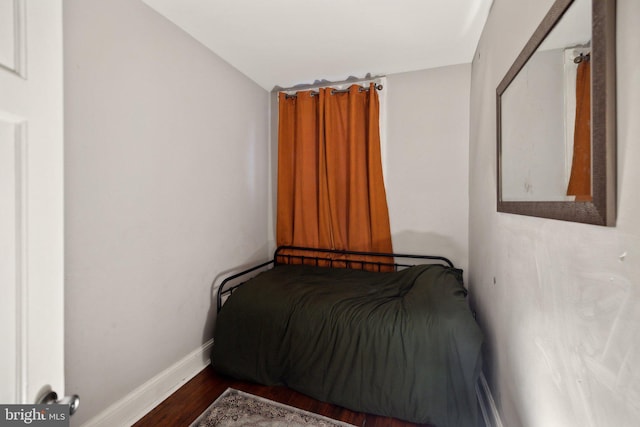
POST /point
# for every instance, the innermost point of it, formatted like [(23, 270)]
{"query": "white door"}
[(31, 200)]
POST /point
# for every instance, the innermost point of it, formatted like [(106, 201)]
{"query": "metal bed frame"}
[(375, 261)]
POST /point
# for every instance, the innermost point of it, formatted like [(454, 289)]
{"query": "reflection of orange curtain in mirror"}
[(330, 187), (580, 180)]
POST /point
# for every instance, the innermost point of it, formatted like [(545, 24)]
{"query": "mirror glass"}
[(539, 110), (555, 138)]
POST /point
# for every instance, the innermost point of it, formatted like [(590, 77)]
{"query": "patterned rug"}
[(236, 408)]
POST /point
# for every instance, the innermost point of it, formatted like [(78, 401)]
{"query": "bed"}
[(369, 332)]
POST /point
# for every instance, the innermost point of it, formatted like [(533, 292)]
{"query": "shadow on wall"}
[(429, 243), (256, 257)]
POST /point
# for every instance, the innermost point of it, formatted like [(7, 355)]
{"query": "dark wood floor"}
[(184, 406)]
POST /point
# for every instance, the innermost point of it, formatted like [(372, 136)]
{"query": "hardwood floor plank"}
[(188, 402)]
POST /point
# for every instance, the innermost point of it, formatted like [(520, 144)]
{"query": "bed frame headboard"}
[(374, 261), (330, 258)]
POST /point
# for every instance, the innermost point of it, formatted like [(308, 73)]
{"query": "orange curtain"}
[(580, 179), (330, 187)]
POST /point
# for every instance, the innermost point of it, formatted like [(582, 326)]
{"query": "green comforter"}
[(400, 344)]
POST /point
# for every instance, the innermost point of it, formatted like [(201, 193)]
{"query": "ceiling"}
[(284, 43)]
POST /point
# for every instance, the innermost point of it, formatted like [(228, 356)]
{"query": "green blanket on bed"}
[(400, 344)]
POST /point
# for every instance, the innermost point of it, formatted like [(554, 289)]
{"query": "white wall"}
[(427, 160), (166, 164), (559, 302)]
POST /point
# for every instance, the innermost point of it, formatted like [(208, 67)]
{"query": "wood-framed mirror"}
[(556, 135)]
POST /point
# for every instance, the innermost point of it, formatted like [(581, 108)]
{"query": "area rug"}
[(235, 408)]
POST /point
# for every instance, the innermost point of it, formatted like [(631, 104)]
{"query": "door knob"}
[(52, 397)]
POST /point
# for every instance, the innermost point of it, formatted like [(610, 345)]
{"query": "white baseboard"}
[(140, 401), (488, 407)]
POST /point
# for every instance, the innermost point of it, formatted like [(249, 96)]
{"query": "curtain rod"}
[(582, 57), (378, 86)]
